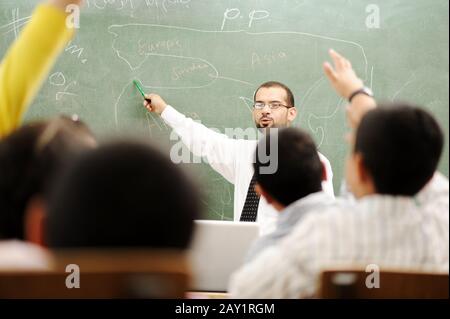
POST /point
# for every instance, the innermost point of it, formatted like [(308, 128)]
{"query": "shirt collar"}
[(298, 208)]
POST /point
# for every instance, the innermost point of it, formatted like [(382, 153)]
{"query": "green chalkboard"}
[(207, 57)]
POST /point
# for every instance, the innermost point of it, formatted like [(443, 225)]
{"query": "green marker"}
[(142, 91)]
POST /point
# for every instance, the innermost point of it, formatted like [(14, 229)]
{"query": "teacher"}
[(273, 107)]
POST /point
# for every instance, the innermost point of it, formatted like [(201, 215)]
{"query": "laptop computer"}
[(218, 249)]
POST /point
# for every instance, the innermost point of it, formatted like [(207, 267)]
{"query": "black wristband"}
[(363, 90)]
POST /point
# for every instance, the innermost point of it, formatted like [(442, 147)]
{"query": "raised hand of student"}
[(342, 76), (156, 105), (345, 82)]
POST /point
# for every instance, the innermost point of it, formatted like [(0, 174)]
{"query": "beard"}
[(270, 123), (267, 122)]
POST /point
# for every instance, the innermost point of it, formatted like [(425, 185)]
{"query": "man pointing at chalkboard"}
[(273, 107)]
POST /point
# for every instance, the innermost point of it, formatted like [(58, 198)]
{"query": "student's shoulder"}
[(437, 185), (316, 228), (333, 214)]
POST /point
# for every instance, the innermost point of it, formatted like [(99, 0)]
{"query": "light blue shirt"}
[(288, 218)]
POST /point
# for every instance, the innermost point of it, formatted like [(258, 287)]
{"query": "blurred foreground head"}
[(30, 158), (122, 195)]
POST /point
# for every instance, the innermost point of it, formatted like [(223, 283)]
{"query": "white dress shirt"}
[(403, 233), (232, 158)]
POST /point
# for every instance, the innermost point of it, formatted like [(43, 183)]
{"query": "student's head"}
[(273, 105), (299, 171), (30, 158), (396, 151), (122, 195)]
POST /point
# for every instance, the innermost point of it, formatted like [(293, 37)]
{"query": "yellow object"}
[(28, 61)]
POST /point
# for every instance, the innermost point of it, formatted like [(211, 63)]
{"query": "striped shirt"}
[(287, 220), (405, 233)]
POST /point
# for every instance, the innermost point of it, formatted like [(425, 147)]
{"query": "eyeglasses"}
[(272, 105)]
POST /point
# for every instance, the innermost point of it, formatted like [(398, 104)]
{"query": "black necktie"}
[(251, 203)]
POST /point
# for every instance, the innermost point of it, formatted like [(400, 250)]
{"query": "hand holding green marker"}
[(142, 91)]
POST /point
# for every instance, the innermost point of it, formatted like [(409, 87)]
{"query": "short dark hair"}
[(124, 194), (299, 172), (30, 158), (269, 84), (401, 145)]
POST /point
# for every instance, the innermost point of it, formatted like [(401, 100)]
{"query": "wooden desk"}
[(207, 295)]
